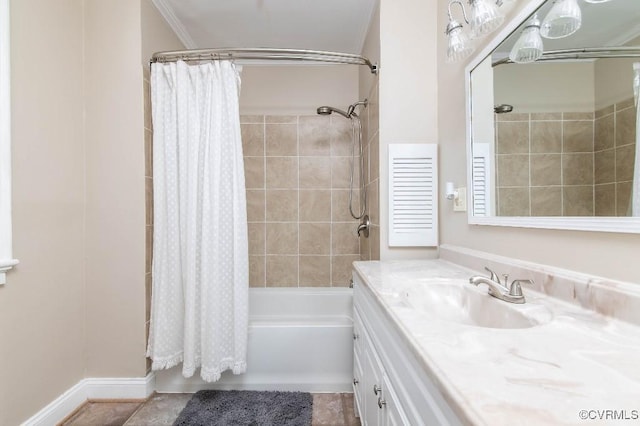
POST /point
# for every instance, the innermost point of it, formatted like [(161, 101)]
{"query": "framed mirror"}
[(552, 139)]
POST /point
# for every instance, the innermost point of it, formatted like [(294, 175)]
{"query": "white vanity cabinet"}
[(390, 386)]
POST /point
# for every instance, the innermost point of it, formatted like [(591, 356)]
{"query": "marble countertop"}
[(567, 371)]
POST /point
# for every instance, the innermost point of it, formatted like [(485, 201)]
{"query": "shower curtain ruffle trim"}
[(166, 362), (213, 374), (208, 375)]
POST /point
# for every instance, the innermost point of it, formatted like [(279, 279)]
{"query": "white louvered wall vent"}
[(413, 195), (482, 173)]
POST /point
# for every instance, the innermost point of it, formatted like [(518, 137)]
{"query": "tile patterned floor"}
[(329, 409)]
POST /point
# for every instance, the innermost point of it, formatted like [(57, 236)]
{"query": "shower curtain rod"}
[(582, 53), (263, 54)]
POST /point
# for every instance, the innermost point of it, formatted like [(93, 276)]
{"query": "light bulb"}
[(529, 46), (459, 45), (564, 19), (485, 17)]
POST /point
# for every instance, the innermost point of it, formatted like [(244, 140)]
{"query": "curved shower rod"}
[(582, 53), (263, 54)]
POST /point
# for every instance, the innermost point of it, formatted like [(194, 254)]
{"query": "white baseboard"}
[(99, 388)]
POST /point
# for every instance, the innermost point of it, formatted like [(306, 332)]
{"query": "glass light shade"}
[(596, 1), (529, 46), (459, 46), (564, 19), (485, 17)]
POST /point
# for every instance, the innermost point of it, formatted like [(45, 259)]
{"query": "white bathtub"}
[(300, 339)]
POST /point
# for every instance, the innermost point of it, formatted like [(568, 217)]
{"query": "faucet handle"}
[(515, 289), (494, 276)]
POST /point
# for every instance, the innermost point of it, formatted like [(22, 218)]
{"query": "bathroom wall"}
[(614, 79), (42, 309), (297, 178), (115, 209), (409, 93), (545, 164), (553, 163), (297, 174), (566, 164), (281, 89), (369, 88), (610, 255), (614, 158), (70, 309), (545, 87)]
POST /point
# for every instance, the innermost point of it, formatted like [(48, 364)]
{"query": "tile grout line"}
[(298, 191), (264, 217)]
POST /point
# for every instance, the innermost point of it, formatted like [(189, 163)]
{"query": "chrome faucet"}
[(364, 226), (511, 293)]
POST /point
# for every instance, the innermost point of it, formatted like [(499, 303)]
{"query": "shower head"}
[(351, 111), (503, 109), (327, 110)]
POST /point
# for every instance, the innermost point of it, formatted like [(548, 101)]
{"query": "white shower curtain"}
[(635, 191), (199, 311)]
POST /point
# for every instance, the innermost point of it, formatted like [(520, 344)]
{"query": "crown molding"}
[(169, 15)]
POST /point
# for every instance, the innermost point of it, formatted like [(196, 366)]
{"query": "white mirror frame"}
[(6, 257), (587, 223)]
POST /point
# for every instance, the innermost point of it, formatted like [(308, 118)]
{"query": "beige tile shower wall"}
[(370, 247), (369, 88), (545, 164), (297, 180), (566, 164), (614, 158)]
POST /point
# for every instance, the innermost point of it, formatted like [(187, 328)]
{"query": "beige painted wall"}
[(408, 93), (156, 34), (42, 346), (74, 307), (115, 207), (605, 254), (546, 87), (613, 81), (296, 89), (370, 50)]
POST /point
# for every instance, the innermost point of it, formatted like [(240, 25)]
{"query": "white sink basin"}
[(469, 305)]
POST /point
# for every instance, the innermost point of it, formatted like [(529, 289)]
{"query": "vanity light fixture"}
[(564, 19), (459, 45), (485, 17), (529, 46)]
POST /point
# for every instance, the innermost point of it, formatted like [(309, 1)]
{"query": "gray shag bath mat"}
[(226, 408)]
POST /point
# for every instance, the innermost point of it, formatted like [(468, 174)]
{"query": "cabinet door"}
[(358, 383), (393, 414), (358, 333), (372, 389), (358, 375)]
